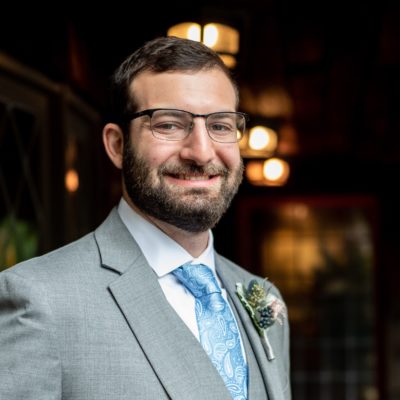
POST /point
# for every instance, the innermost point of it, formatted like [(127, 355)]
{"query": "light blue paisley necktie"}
[(218, 330)]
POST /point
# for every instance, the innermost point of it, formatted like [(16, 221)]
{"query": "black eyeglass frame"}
[(149, 112)]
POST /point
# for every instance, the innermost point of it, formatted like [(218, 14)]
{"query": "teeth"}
[(194, 177)]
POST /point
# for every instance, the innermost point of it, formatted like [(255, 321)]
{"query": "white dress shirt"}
[(164, 255)]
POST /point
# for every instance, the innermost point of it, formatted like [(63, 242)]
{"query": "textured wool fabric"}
[(89, 321)]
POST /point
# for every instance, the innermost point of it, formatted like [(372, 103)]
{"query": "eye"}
[(222, 124), (168, 126), (221, 128)]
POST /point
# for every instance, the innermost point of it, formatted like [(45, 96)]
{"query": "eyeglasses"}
[(171, 124)]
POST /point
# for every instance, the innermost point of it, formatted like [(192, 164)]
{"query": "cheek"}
[(156, 154), (230, 156)]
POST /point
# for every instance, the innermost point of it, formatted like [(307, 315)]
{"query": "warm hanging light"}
[(259, 142), (223, 39), (275, 171), (271, 172), (210, 33), (254, 171), (187, 30), (71, 180), (262, 138)]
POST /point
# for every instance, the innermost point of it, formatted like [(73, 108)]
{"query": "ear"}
[(113, 139)]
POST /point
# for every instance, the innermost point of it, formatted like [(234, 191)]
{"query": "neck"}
[(193, 242)]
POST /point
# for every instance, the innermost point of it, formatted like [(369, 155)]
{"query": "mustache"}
[(194, 169)]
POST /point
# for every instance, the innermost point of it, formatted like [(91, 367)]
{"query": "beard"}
[(190, 209)]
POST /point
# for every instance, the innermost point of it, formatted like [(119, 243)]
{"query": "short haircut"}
[(163, 54)]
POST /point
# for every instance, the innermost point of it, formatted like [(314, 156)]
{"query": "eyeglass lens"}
[(177, 124)]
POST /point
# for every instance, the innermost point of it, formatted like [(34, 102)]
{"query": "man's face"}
[(187, 183)]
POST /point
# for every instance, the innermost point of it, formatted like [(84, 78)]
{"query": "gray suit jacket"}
[(89, 321)]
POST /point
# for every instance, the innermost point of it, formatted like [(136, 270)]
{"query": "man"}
[(113, 315)]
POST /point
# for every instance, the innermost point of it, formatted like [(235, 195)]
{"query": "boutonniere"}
[(264, 309)]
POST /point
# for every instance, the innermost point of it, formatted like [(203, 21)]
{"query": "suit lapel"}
[(176, 356), (256, 389), (269, 369)]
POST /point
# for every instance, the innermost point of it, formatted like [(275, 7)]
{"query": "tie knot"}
[(197, 278)]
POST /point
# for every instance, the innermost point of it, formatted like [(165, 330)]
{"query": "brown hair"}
[(159, 55)]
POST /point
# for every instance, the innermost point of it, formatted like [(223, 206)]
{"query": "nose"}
[(198, 146)]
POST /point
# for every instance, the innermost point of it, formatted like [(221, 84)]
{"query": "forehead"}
[(202, 90)]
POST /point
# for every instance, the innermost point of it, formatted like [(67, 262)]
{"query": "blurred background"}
[(318, 211)]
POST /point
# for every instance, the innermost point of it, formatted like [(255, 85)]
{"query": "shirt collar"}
[(161, 252)]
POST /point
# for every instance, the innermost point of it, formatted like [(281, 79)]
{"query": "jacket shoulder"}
[(59, 260)]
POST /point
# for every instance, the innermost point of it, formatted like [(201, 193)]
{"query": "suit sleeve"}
[(29, 358)]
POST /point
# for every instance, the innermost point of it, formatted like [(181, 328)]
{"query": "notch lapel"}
[(181, 364)]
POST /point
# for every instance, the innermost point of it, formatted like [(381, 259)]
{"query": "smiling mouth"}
[(194, 176), (191, 177)]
